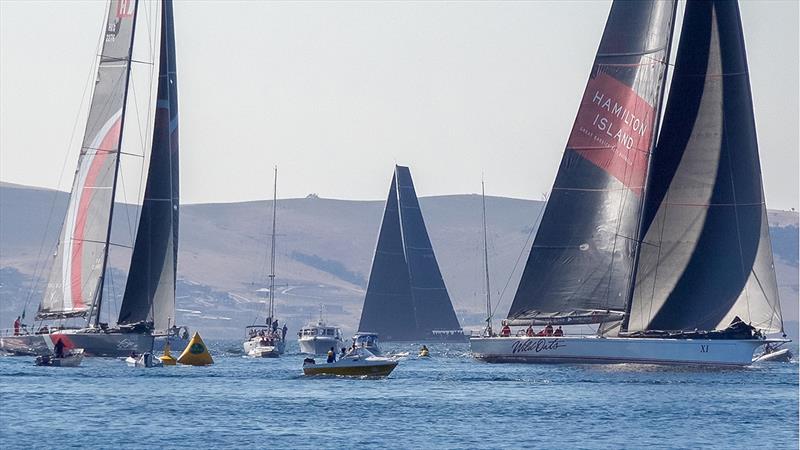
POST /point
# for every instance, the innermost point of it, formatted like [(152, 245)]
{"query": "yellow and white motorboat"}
[(358, 363)]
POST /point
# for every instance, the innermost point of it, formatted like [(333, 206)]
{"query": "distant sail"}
[(150, 291), (406, 297), (75, 276), (706, 256), (581, 262)]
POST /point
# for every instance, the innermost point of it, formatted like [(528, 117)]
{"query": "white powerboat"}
[(358, 363), (318, 338), (72, 358)]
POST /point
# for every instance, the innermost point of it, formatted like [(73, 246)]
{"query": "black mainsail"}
[(150, 291), (406, 296), (706, 257), (74, 287), (581, 263)]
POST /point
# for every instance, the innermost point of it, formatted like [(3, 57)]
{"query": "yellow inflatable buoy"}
[(196, 353), (167, 359)]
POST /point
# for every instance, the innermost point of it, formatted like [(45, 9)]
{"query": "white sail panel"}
[(77, 266)]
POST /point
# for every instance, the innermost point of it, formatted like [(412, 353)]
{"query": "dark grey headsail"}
[(406, 297), (150, 291), (706, 256), (74, 285), (581, 263)]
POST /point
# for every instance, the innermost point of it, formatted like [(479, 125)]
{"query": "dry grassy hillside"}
[(324, 254)]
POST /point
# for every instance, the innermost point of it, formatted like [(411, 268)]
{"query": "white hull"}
[(320, 345), (596, 350), (254, 349), (782, 355)]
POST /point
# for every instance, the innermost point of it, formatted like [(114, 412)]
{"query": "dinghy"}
[(73, 358), (146, 359), (774, 354), (358, 363)]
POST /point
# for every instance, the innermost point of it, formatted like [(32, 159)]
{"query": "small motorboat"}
[(72, 358), (146, 359), (358, 363), (774, 354)]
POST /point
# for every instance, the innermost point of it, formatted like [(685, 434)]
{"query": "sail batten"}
[(582, 256), (76, 272)]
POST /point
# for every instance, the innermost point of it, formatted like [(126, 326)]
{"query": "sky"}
[(335, 94)]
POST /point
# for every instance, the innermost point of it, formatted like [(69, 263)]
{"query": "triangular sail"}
[(706, 256), (388, 307), (432, 305), (406, 297), (150, 292), (580, 265), (78, 264)]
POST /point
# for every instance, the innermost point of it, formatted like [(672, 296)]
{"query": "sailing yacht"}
[(75, 288), (268, 341), (406, 296), (669, 255)]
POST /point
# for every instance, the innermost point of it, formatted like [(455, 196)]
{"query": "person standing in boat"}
[(558, 332), (17, 324), (331, 356), (529, 331), (58, 349), (548, 330), (506, 330), (285, 329)]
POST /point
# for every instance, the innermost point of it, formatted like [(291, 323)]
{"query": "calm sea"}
[(449, 401)]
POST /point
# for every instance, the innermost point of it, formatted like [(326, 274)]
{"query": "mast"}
[(486, 264), (102, 282), (272, 252), (656, 131), (149, 296)]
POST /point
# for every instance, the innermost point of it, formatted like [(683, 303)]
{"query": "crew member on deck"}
[(558, 332), (16, 326), (506, 331), (331, 356), (284, 329), (58, 349), (529, 331), (548, 330)]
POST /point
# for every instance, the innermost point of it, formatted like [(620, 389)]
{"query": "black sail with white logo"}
[(581, 263), (706, 256)]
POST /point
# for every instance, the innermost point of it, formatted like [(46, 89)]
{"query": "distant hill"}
[(324, 255)]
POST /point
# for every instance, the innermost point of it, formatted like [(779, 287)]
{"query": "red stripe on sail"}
[(107, 145)]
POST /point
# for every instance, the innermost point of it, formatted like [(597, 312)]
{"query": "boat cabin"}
[(320, 331)]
